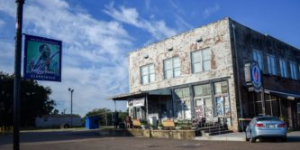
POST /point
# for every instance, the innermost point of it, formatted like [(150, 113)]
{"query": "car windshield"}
[(268, 119)]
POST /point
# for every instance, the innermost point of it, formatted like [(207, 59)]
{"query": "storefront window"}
[(202, 90), (183, 103), (221, 87), (272, 106), (203, 102), (221, 99)]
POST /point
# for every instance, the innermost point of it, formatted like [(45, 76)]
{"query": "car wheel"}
[(66, 126), (246, 137), (283, 139), (252, 139)]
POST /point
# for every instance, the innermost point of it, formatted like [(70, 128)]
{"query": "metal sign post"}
[(17, 87)]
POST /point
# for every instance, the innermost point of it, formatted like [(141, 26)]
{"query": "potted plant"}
[(160, 126), (178, 125), (144, 125)]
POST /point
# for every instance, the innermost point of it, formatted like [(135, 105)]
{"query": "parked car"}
[(266, 127)]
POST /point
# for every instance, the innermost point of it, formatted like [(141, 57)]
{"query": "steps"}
[(214, 130)]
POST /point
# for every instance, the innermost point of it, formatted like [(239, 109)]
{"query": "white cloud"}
[(8, 6), (7, 53), (94, 52), (176, 7), (182, 24), (211, 10), (158, 29)]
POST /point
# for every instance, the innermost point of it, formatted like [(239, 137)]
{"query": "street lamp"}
[(71, 90)]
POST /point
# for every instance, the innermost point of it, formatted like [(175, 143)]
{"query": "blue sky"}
[(98, 35)]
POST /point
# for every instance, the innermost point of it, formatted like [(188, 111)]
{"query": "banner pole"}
[(17, 74)]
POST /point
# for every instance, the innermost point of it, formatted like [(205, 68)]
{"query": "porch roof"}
[(126, 96), (282, 94)]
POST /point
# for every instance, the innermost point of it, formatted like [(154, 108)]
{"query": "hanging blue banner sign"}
[(256, 77), (42, 60)]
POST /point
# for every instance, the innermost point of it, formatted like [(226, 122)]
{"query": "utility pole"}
[(71, 90), (17, 73)]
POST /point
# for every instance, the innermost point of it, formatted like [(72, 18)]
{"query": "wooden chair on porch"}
[(168, 124), (136, 123)]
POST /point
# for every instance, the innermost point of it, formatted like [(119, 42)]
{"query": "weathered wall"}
[(247, 40), (215, 36)]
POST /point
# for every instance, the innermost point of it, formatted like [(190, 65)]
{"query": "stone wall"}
[(215, 36)]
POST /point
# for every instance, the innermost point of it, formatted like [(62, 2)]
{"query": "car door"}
[(248, 129)]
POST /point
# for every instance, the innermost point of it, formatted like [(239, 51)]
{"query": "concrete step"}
[(214, 130), (211, 128), (218, 132)]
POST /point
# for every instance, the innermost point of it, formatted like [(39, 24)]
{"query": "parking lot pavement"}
[(87, 140), (240, 136), (131, 143)]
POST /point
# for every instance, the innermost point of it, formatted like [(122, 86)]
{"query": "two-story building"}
[(201, 74)]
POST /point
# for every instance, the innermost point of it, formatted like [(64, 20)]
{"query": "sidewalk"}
[(235, 136), (240, 136)]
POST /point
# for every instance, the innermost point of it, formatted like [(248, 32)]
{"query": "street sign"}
[(256, 77), (42, 58)]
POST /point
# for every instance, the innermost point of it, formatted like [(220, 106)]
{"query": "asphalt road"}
[(90, 140)]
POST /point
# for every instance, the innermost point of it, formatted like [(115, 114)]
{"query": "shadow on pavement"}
[(293, 139), (31, 137)]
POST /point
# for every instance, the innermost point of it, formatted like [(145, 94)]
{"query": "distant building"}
[(201, 74), (58, 121)]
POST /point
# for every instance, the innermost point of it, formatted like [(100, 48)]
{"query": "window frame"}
[(201, 61), (255, 54), (271, 61), (148, 74), (174, 67), (293, 69), (283, 68)]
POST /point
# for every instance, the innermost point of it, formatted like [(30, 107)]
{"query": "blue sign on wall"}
[(256, 77), (42, 60)]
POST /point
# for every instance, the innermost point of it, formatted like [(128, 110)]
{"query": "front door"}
[(204, 107)]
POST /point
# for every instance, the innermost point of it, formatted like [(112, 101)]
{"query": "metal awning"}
[(287, 95), (127, 96)]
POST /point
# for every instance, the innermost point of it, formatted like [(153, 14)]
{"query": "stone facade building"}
[(201, 74)]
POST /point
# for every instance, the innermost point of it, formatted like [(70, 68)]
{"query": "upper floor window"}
[(202, 90), (283, 68), (221, 87), (293, 67), (258, 57), (271, 65), (201, 60), (182, 93), (147, 74), (172, 67)]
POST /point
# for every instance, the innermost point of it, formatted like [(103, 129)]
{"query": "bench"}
[(168, 124), (136, 123)]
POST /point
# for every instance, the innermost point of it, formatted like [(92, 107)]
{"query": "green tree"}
[(34, 101)]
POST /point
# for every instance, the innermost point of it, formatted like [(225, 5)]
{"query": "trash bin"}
[(92, 122)]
